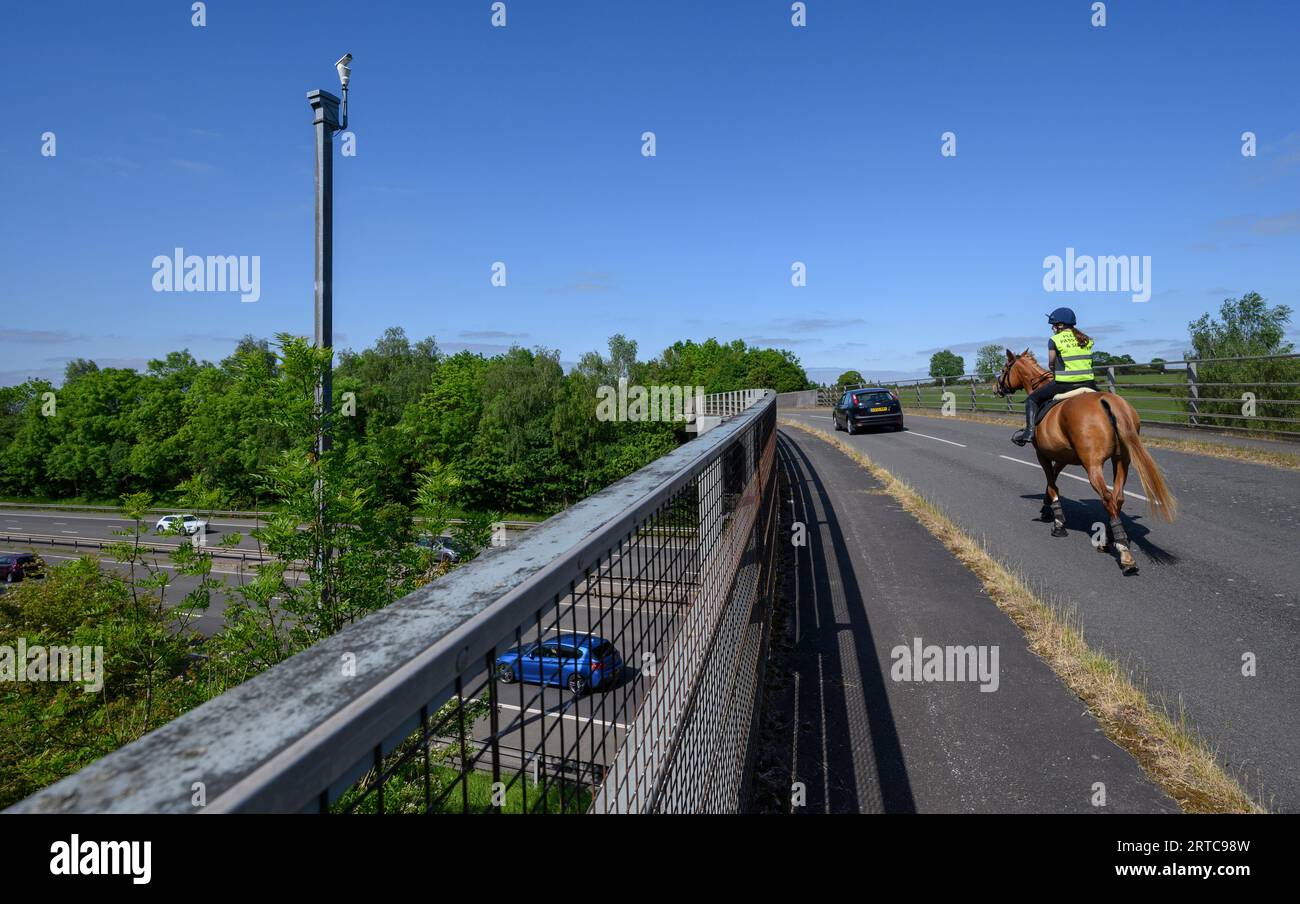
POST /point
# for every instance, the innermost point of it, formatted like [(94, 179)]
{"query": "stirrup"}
[(1022, 438)]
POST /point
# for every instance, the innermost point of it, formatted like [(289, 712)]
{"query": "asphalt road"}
[(1219, 584), (871, 579), (102, 527), (209, 621)]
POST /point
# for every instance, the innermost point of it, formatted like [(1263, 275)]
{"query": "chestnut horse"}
[(1087, 430)]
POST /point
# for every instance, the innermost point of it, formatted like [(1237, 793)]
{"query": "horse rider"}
[(1069, 358)]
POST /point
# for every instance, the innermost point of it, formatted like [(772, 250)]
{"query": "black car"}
[(14, 566), (868, 407)]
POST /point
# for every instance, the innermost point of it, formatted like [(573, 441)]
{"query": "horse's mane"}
[(1034, 359)]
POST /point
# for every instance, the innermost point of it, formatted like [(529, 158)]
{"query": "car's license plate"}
[(881, 408)]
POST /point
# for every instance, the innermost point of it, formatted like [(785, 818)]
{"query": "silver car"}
[(187, 524)]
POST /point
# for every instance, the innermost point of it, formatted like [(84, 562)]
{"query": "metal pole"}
[(325, 107), (325, 116)]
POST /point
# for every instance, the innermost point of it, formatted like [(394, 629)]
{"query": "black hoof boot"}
[(1058, 519)]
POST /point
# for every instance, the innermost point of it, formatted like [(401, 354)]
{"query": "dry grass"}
[(1167, 748), (1286, 460)]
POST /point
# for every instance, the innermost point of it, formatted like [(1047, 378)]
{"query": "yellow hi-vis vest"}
[(1075, 358)]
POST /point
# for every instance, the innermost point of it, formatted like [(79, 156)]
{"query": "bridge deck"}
[(872, 578)]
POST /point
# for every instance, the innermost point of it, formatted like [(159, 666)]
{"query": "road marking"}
[(553, 713), (928, 436), (1034, 464), (821, 417)]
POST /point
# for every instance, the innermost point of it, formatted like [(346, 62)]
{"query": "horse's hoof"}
[(1059, 532), (1129, 570)]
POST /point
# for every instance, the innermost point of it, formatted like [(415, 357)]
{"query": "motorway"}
[(1220, 583), (559, 732), (102, 526)]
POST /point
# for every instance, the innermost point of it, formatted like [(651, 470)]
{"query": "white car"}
[(187, 524)]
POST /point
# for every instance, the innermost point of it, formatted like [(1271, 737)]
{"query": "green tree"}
[(851, 378), (1246, 327), (989, 360), (946, 364)]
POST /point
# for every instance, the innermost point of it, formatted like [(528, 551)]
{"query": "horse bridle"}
[(1003, 390)]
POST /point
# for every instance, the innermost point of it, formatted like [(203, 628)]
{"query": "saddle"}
[(1055, 400)]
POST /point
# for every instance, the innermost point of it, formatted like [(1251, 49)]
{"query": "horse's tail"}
[(1125, 421)]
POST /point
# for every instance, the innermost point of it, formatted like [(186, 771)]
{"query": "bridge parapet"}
[(416, 708)]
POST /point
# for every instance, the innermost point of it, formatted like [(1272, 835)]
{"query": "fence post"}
[(1192, 394), (1110, 378), (920, 403), (974, 399)]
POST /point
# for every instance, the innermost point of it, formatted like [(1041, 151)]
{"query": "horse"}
[(1086, 430)]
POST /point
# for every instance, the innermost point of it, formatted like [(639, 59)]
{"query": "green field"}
[(1156, 397)]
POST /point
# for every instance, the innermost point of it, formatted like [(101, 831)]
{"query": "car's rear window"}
[(872, 398), (601, 650)]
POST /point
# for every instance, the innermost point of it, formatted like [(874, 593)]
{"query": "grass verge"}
[(1167, 748)]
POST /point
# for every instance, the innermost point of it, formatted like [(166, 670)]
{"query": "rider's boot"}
[(1026, 436)]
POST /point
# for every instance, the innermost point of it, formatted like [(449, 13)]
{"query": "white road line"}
[(821, 417), (573, 716), (928, 436), (1034, 464)]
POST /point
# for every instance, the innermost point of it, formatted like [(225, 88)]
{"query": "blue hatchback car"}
[(580, 662)]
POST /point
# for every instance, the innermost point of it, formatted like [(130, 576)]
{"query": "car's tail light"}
[(597, 665)]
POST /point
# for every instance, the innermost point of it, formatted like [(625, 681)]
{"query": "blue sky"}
[(522, 144)]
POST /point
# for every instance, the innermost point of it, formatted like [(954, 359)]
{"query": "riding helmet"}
[(1062, 315)]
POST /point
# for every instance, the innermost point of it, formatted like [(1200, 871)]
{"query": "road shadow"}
[(1082, 514), (836, 692)]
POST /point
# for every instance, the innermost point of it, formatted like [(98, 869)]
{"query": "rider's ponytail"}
[(1080, 336)]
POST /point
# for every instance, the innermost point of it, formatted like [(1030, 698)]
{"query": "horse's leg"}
[(1117, 532), (1051, 510)]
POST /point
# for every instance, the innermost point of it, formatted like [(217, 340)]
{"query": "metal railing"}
[(1197, 393), (728, 404), (418, 707)]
